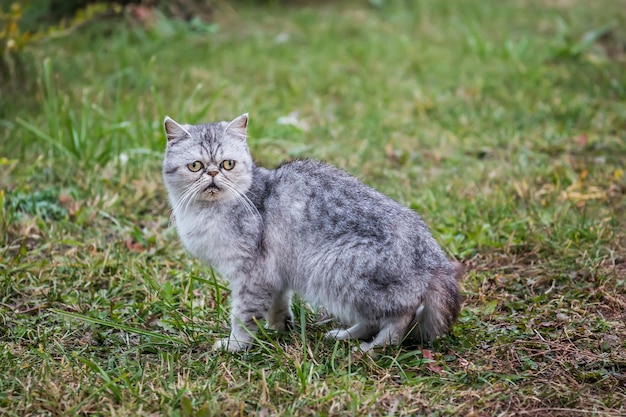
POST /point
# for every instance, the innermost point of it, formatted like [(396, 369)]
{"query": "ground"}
[(502, 123)]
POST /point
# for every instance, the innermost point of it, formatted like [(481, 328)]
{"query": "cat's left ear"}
[(238, 127)]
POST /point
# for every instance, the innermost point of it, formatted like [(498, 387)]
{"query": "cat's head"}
[(207, 162)]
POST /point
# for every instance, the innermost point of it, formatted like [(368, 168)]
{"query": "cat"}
[(309, 228)]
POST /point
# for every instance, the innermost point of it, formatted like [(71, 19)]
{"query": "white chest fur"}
[(210, 238)]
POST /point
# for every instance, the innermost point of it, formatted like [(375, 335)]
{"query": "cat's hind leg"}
[(279, 316), (392, 332), (361, 330)]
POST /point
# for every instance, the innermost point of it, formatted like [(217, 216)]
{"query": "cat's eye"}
[(228, 164), (195, 166)]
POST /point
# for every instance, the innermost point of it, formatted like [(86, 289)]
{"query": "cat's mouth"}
[(212, 188)]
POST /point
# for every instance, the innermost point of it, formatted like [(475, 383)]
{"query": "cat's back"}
[(325, 185), (319, 198), (321, 181)]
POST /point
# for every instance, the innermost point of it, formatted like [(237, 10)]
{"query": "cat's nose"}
[(212, 173)]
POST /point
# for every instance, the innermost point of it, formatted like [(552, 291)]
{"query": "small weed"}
[(569, 46), (42, 203)]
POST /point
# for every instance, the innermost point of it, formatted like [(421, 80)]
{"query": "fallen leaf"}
[(582, 139), (134, 246), (432, 366)]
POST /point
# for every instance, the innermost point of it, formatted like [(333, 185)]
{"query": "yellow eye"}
[(195, 166), (228, 164)]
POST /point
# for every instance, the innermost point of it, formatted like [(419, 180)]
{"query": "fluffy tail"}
[(440, 306)]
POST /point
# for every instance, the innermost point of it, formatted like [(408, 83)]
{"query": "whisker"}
[(242, 198), (189, 194), (193, 194), (181, 201), (245, 201)]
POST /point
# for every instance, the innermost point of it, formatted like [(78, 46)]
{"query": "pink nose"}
[(212, 173)]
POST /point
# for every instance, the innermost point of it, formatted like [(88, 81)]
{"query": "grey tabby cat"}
[(308, 228)]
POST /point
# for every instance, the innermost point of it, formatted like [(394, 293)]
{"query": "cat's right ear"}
[(173, 130)]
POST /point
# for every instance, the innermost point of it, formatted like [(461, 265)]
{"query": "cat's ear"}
[(173, 130), (238, 127)]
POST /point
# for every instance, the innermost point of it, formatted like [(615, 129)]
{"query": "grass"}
[(502, 123)]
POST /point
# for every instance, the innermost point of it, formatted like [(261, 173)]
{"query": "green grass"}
[(502, 123)]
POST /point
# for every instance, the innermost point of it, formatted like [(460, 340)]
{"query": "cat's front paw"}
[(230, 345)]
